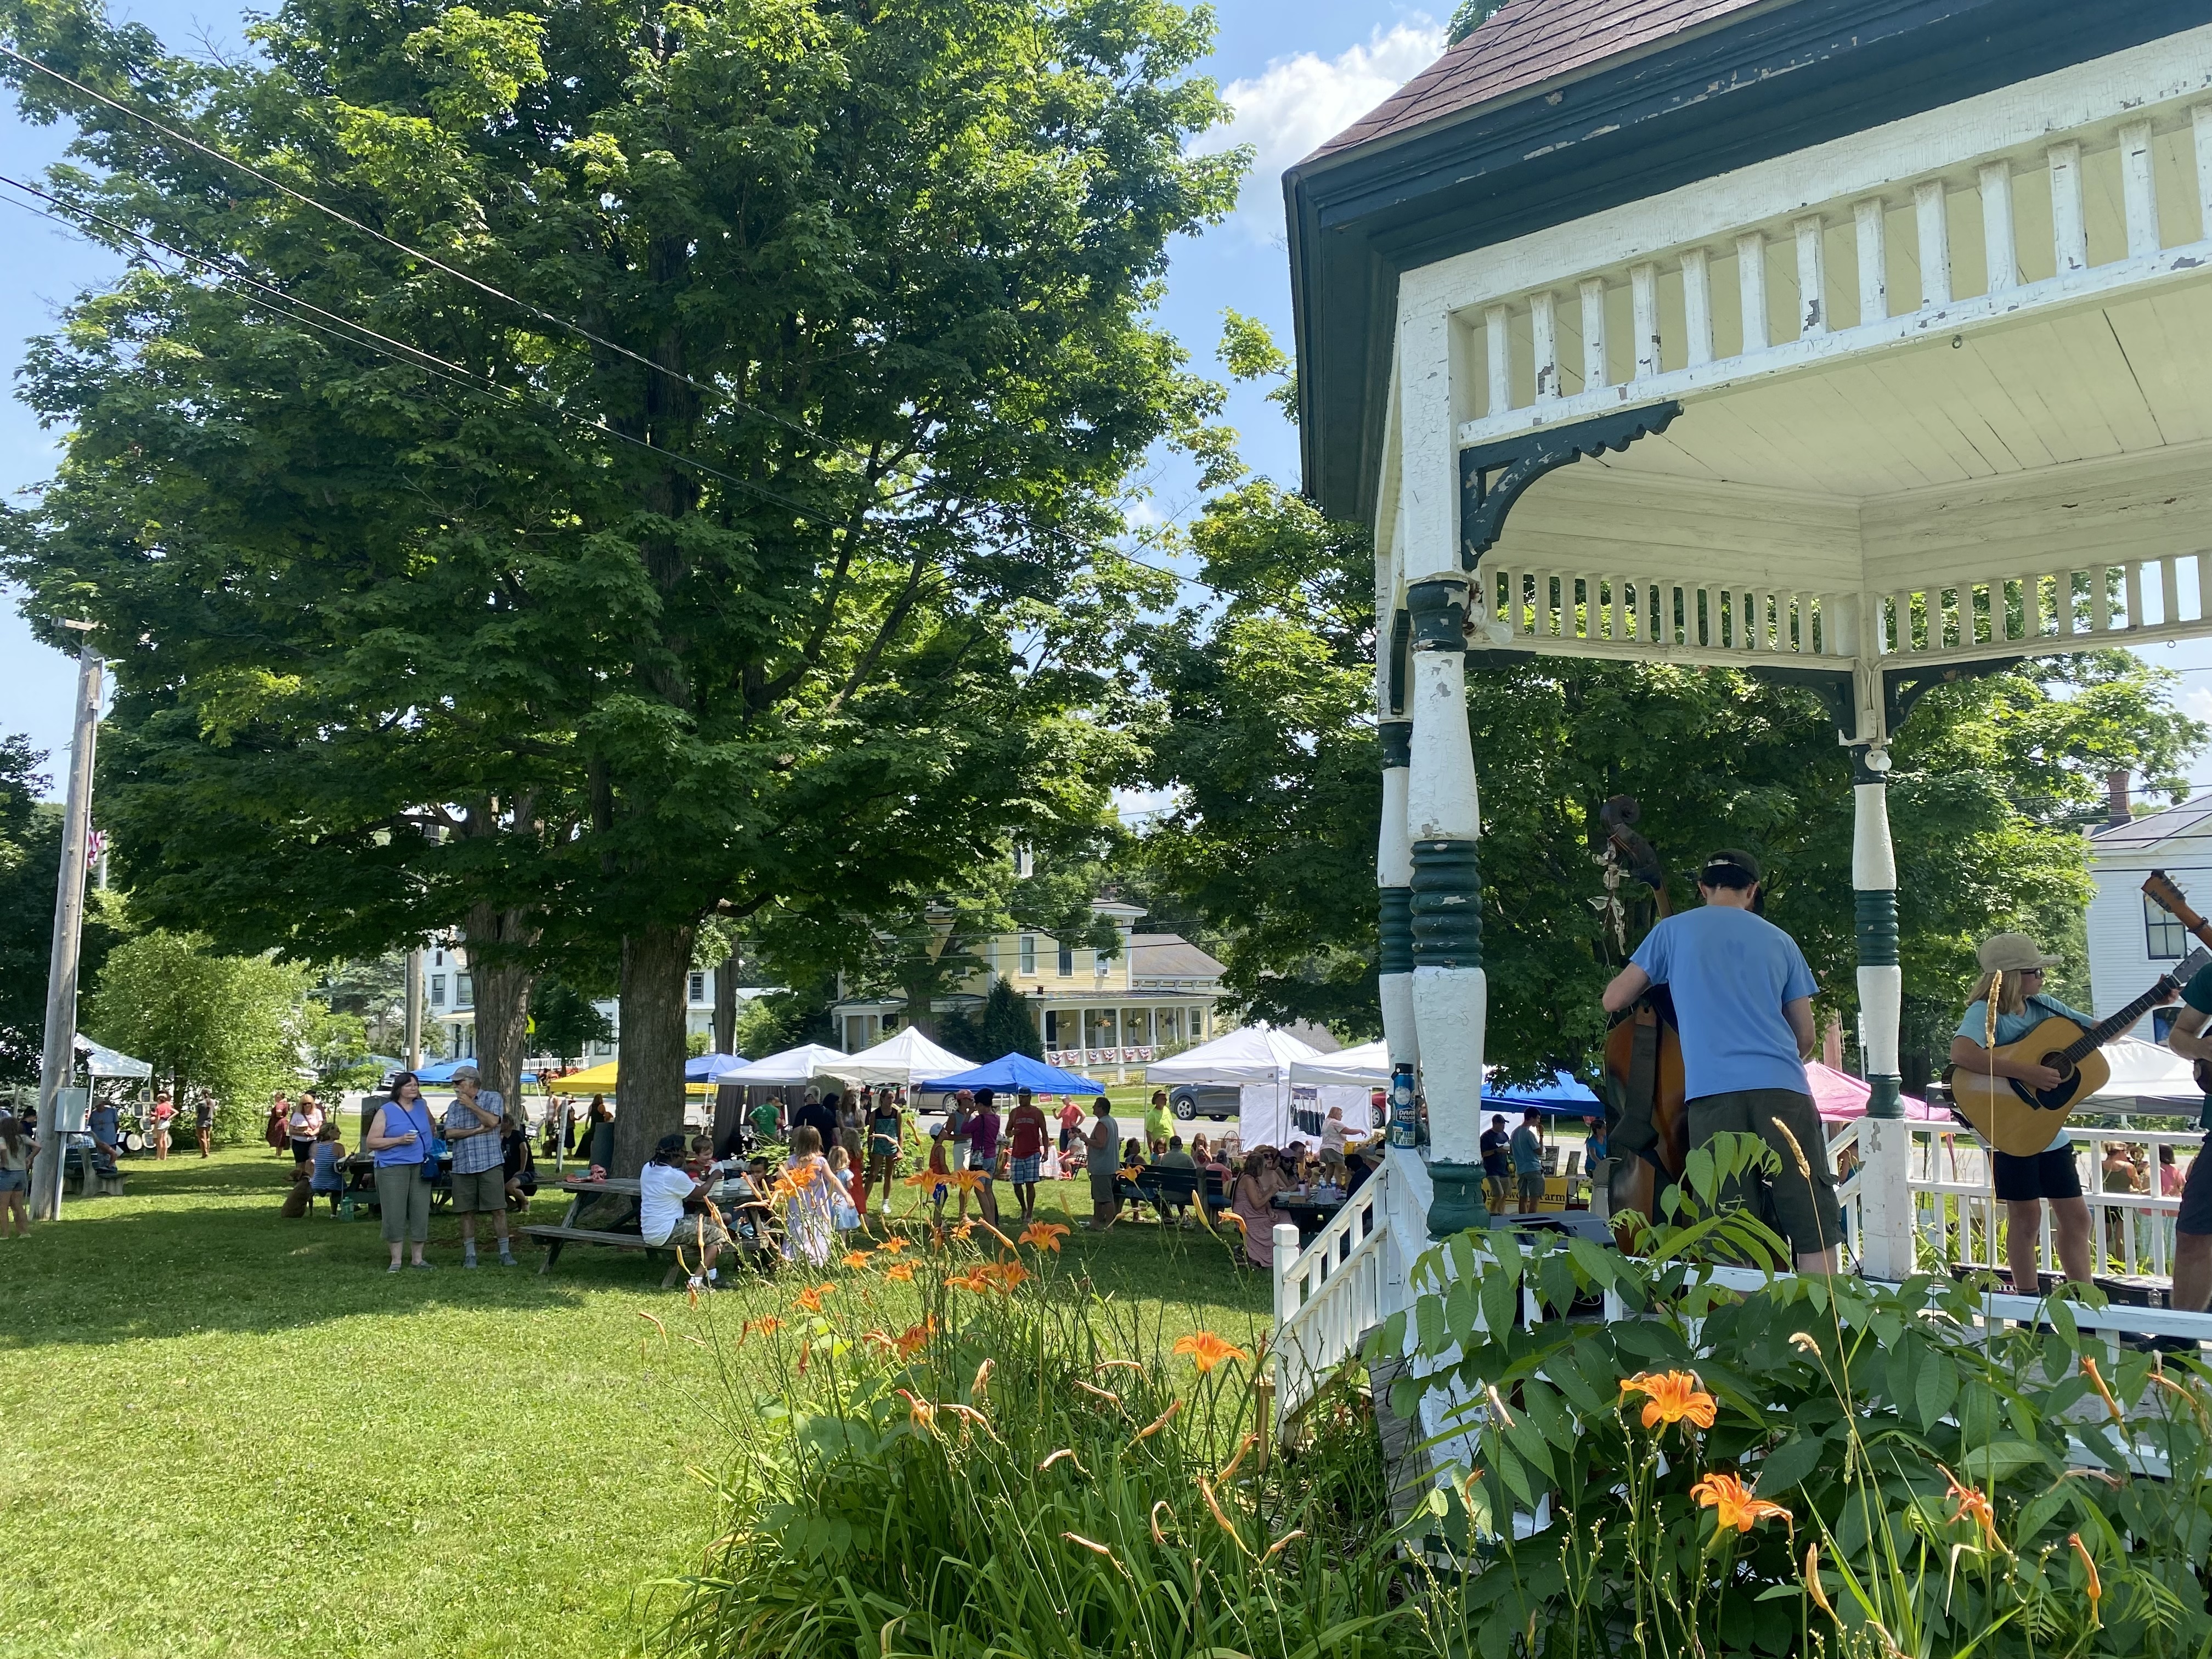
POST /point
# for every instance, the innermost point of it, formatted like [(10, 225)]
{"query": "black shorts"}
[(302, 1150), (2196, 1216), (2051, 1174)]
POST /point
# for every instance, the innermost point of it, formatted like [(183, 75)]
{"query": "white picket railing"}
[(1330, 1292)]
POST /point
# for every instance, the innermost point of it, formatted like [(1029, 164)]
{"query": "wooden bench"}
[(555, 1238)]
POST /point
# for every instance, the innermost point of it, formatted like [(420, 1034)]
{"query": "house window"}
[(437, 990), (1067, 961), (698, 988), (2164, 936), (465, 991), (1029, 954)]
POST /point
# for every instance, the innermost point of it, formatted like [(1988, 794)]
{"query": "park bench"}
[(1164, 1188)]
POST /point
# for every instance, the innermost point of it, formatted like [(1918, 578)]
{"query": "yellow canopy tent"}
[(593, 1080)]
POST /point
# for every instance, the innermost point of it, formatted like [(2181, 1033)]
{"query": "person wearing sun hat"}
[(2013, 967)]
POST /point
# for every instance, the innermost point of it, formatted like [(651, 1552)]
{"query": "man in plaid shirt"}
[(472, 1130)]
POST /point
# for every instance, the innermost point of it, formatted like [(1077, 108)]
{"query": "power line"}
[(387, 346), (528, 306), (348, 219)]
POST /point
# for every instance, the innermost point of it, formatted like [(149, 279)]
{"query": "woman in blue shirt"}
[(2012, 966), (405, 1144)]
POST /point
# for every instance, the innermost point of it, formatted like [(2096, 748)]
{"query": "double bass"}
[(1647, 1124)]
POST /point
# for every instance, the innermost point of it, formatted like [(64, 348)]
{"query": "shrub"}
[(1026, 1467), (1816, 1462)]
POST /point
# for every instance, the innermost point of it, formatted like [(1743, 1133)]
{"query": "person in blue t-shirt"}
[(2025, 1185), (1743, 1005), (2192, 1227)]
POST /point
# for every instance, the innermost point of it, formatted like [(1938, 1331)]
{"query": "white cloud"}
[(1297, 103)]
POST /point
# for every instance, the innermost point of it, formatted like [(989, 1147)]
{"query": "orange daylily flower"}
[(894, 1245), (919, 1413), (900, 1273), (2096, 1585), (1671, 1397), (1733, 1503), (810, 1300), (925, 1178), (912, 1339), (1157, 1423), (1970, 1504), (2097, 1381), (1008, 1275), (766, 1325), (966, 1180), (976, 1280), (856, 1260), (963, 1231), (1045, 1235), (1206, 1350)]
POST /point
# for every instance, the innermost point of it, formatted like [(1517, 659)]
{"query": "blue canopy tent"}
[(1562, 1096), (1010, 1071), (707, 1067), (442, 1070)]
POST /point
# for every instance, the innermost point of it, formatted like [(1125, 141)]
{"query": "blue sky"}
[(1297, 72)]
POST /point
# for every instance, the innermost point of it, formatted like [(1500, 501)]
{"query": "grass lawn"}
[(231, 1434)]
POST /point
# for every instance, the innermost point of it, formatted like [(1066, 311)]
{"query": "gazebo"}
[(1856, 344)]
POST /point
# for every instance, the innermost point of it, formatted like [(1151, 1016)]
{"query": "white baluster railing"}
[(1330, 1293)]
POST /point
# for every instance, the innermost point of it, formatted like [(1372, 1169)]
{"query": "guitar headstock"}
[(2188, 968), (2160, 887)]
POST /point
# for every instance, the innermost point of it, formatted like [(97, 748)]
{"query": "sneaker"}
[(507, 1259), (421, 1267), (393, 1268), (469, 1261), (698, 1284)]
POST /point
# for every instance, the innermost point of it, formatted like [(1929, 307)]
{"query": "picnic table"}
[(616, 1230), (358, 1196), (1310, 1214)]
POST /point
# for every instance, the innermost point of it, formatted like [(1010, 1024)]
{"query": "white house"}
[(2133, 939), (449, 1004)]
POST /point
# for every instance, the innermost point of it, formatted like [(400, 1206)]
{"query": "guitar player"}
[(2192, 1227), (2025, 1185), (1743, 1003)]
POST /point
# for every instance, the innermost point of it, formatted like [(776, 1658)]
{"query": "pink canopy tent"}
[(1838, 1097)]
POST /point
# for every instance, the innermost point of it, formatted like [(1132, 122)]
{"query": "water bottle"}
[(1404, 1126)]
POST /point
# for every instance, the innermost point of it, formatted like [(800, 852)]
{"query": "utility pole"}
[(59, 1066)]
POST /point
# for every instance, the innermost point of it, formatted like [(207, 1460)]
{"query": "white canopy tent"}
[(103, 1062), (1257, 1060), (2147, 1073), (900, 1059), (1367, 1066), (801, 1065)]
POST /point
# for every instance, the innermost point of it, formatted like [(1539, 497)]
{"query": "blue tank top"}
[(325, 1179), (416, 1117)]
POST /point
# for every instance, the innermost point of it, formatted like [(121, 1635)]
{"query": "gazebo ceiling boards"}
[(1944, 391)]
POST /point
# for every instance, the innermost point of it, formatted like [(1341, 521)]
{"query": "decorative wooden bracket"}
[(1903, 687), (1493, 476)]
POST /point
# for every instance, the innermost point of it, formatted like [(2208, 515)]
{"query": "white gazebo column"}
[(1450, 996), (1393, 879), (1886, 1235)]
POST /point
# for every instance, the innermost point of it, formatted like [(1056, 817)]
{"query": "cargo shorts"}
[(1802, 1209)]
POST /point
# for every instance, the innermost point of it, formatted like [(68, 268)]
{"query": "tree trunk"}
[(726, 1006), (655, 962), (500, 974), (921, 992)]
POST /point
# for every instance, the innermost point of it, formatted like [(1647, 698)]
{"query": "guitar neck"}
[(2106, 1030)]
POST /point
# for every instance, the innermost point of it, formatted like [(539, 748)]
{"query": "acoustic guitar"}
[(2019, 1120), (2162, 891)]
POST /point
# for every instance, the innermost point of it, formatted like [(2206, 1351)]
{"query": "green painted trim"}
[(1883, 1095), (1397, 952), (1397, 737), (1439, 613), (1447, 904), (1876, 913), (1456, 1205)]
